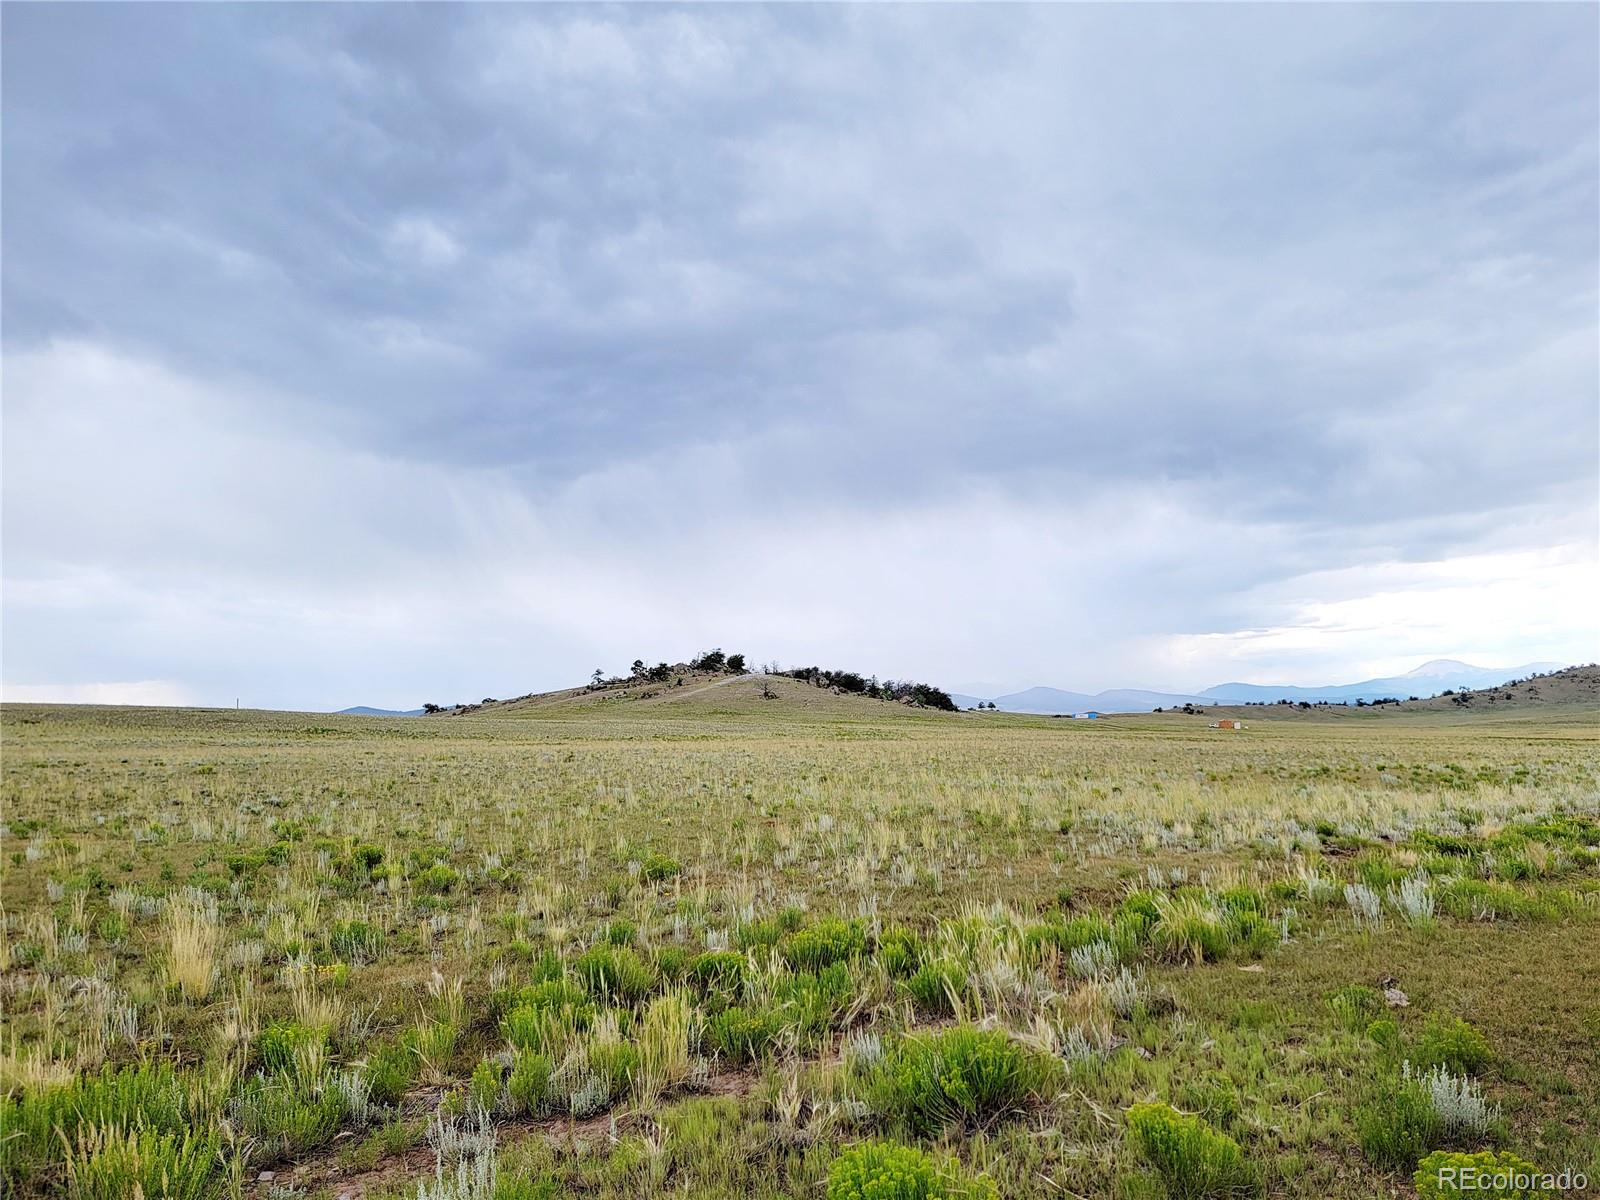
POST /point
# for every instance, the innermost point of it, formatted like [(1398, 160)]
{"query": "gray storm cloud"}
[(382, 354)]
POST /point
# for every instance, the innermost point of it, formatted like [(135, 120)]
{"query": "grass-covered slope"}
[(693, 694), (715, 944)]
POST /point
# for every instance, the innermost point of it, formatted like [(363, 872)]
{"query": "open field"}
[(712, 944)]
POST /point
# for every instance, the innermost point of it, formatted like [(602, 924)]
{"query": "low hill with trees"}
[(710, 678)]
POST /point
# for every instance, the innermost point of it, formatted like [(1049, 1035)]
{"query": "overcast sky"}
[(385, 354)]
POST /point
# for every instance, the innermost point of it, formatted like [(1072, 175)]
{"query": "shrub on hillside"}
[(1397, 1125), (546, 1016), (718, 974), (286, 1117), (657, 867), (938, 986), (355, 941), (900, 951), (1386, 1034), (1139, 910), (1065, 936), (42, 1125), (1191, 929), (1457, 1101), (114, 1163), (960, 1077), (1485, 1175), (827, 942), (742, 1034), (1454, 1045), (768, 931), (886, 1171), (614, 1064), (1194, 1161), (278, 1045), (483, 1089), (390, 1070), (530, 1078), (438, 879), (614, 973), (811, 1004)]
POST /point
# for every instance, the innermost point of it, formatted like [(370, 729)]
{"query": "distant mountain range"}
[(361, 710), (1429, 679)]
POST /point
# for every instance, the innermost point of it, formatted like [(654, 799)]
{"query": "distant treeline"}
[(714, 661), (909, 691)]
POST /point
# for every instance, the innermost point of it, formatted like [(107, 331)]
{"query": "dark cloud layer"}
[(1193, 311)]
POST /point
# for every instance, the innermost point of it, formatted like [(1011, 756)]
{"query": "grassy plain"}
[(720, 945)]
